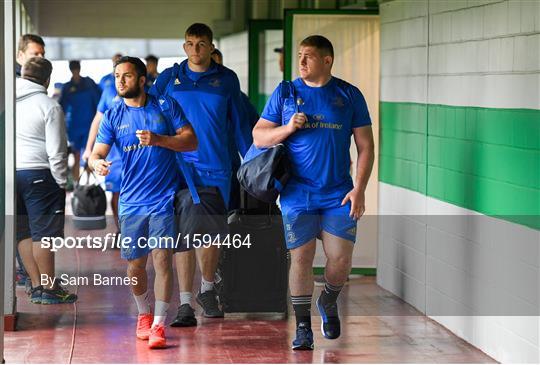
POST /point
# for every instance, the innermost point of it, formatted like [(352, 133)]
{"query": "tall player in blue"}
[(210, 96), (108, 80), (79, 99), (147, 130), (315, 116), (113, 180)]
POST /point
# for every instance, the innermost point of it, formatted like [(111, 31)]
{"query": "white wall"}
[(472, 273), (272, 75), (235, 56)]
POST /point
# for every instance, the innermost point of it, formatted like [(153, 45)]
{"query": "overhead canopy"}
[(131, 19)]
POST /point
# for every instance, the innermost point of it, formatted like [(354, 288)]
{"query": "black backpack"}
[(89, 204)]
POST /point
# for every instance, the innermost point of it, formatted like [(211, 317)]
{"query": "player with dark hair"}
[(147, 130), (315, 116), (209, 94)]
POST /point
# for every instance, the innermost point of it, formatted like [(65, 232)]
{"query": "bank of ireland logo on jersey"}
[(318, 117), (177, 82)]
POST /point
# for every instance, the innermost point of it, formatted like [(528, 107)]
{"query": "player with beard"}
[(147, 130)]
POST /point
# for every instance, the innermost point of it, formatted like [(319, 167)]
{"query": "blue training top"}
[(79, 101), (109, 97), (213, 104), (149, 173), (107, 81), (319, 152)]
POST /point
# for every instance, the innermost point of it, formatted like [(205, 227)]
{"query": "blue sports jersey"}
[(319, 152), (109, 97), (148, 173), (213, 105), (107, 81), (79, 101)]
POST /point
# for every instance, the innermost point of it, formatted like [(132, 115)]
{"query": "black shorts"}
[(40, 205), (198, 223)]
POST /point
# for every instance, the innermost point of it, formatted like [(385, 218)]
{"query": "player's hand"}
[(296, 122), (102, 167), (358, 203), (147, 138), (86, 154)]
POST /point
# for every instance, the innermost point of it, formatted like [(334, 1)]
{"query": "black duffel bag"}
[(264, 172), (89, 204)]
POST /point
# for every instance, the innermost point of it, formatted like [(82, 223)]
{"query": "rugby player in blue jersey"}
[(210, 96), (79, 99), (151, 67), (147, 130), (113, 180), (108, 80), (315, 117)]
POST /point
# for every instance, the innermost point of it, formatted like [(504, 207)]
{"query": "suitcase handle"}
[(244, 220)]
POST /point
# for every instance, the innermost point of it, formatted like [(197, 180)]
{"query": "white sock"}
[(206, 285), (142, 303), (160, 313), (185, 297)]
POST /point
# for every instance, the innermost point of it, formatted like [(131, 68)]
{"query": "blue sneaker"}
[(57, 296), (304, 338), (330, 324), (35, 294)]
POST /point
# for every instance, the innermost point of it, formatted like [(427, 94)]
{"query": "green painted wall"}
[(483, 159)]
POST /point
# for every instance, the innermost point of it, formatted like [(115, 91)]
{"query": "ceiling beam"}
[(126, 19)]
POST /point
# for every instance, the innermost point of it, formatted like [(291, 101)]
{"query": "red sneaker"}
[(157, 337), (144, 322)]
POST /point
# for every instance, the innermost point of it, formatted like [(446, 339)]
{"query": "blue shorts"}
[(40, 205), (113, 180), (148, 227), (306, 214)]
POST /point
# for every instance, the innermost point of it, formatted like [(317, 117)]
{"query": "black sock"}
[(330, 293), (302, 309)]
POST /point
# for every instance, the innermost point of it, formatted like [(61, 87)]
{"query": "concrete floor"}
[(100, 328)]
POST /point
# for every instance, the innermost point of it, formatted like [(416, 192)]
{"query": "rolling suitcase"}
[(254, 279)]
